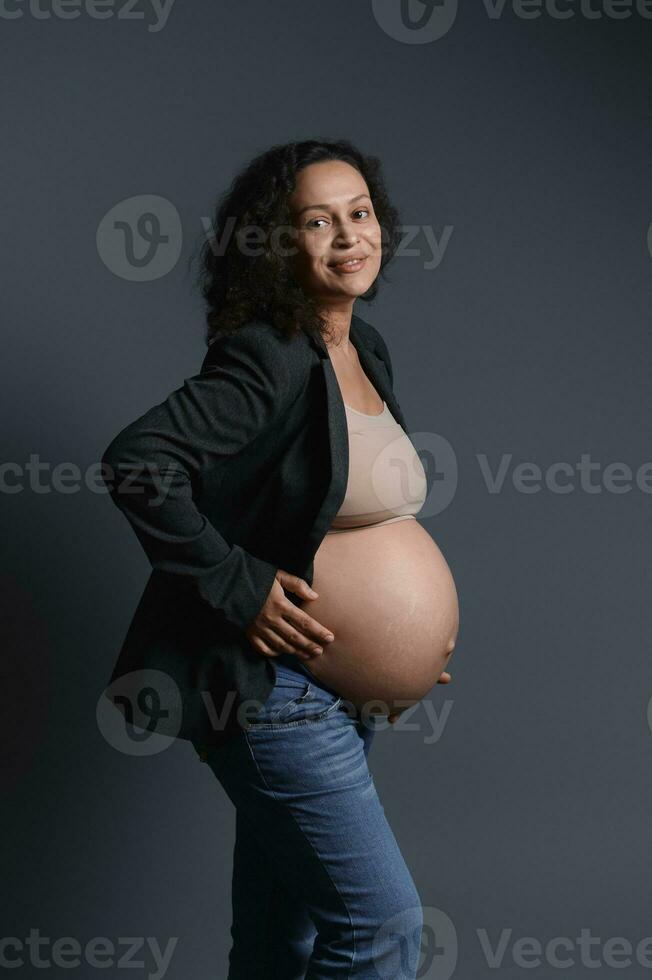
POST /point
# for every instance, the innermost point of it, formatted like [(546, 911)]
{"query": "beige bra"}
[(386, 481)]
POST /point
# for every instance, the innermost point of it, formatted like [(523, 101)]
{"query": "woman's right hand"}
[(282, 627)]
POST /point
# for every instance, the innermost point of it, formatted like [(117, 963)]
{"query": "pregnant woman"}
[(320, 888), (385, 590)]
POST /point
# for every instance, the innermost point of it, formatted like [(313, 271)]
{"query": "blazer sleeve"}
[(150, 468)]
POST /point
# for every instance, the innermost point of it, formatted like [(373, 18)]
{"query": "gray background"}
[(531, 138)]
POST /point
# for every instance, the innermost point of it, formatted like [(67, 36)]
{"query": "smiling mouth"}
[(350, 265)]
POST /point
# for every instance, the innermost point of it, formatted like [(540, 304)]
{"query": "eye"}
[(312, 224)]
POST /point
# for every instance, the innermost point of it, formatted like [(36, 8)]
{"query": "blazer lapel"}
[(375, 370), (372, 364)]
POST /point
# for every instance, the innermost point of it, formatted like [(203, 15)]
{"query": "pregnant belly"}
[(388, 596)]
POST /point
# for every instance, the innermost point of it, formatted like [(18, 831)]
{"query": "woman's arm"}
[(151, 465)]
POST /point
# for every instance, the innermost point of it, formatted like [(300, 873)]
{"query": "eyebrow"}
[(310, 207)]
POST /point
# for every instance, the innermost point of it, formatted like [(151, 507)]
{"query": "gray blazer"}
[(237, 473)]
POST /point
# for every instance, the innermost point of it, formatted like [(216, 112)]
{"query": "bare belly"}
[(388, 596)]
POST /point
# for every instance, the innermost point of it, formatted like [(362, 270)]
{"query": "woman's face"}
[(334, 221)]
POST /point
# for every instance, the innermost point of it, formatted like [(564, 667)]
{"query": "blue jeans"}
[(320, 888)]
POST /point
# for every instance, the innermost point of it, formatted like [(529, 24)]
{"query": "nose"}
[(347, 234)]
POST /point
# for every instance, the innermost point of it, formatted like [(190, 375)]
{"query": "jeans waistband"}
[(295, 663)]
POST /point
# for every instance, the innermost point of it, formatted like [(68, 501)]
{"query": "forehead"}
[(327, 181)]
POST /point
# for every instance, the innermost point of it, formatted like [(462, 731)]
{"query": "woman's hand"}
[(281, 627), (444, 678)]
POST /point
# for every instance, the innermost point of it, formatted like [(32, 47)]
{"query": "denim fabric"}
[(320, 888)]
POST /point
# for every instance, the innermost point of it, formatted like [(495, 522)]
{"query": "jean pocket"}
[(311, 703)]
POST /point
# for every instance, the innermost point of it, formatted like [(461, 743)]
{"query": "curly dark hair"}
[(238, 287)]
